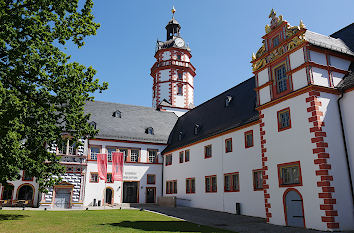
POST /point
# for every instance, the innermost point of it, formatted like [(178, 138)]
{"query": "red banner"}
[(117, 166), (102, 166)]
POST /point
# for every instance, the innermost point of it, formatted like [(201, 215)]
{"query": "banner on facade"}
[(117, 166), (102, 166)]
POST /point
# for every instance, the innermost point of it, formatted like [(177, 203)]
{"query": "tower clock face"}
[(179, 42)]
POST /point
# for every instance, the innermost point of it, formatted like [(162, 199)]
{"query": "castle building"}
[(278, 145)]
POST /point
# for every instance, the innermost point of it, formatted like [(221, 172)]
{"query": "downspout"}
[(163, 167), (345, 144)]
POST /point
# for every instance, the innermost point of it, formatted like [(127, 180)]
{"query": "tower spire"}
[(173, 11)]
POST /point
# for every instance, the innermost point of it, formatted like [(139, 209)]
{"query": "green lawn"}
[(94, 221)]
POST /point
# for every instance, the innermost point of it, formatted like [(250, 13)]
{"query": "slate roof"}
[(133, 122), (348, 80), (336, 44), (346, 34), (213, 117)]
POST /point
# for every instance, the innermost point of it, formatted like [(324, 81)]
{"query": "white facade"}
[(132, 172)]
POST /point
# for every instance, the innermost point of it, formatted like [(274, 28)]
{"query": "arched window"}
[(25, 192)]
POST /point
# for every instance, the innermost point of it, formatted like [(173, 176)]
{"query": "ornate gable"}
[(280, 38)]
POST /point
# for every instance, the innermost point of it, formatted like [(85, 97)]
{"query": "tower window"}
[(228, 100), (180, 76), (149, 130), (117, 114), (179, 89)]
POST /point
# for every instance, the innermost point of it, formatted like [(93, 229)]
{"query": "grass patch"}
[(94, 221)]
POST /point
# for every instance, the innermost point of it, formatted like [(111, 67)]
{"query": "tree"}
[(42, 93)]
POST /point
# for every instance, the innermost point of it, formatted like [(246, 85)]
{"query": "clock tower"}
[(172, 72)]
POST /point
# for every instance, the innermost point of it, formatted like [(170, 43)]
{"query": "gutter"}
[(345, 144)]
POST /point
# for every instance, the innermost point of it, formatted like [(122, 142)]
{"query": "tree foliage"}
[(42, 93)]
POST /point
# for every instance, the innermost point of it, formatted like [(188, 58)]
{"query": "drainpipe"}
[(345, 144), (163, 167)]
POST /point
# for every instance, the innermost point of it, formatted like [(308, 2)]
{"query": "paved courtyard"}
[(237, 223)]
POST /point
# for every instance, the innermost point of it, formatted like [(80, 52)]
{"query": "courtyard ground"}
[(128, 220)]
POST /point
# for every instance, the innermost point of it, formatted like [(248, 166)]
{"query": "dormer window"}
[(196, 129), (149, 130), (228, 100), (180, 136), (93, 124), (117, 114)]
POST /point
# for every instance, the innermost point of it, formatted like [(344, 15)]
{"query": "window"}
[(134, 155), (93, 124), (190, 185), (180, 76), (180, 136), (196, 129), (168, 160), (281, 79), (109, 153), (284, 121), (181, 156), (207, 151), (290, 174), (7, 192), (152, 154), (249, 139), (179, 57), (149, 130), (171, 187), (275, 41), (150, 179), (93, 152), (179, 89), (210, 184), (228, 100), (109, 178), (117, 114), (231, 182), (67, 148), (258, 180), (228, 145), (26, 176), (94, 178), (186, 154), (125, 153)]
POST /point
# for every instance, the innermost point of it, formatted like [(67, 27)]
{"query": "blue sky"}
[(222, 35)]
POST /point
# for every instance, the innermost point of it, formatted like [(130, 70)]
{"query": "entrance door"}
[(294, 209), (109, 195), (150, 194), (62, 198), (130, 192)]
